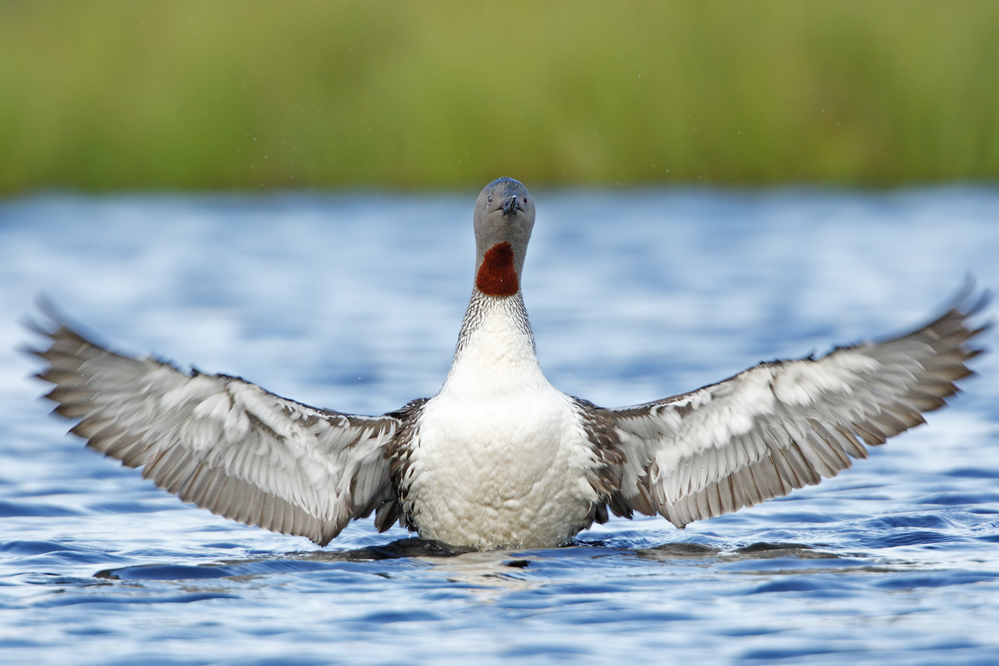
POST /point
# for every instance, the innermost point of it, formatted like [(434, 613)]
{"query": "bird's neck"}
[(497, 274), (495, 349)]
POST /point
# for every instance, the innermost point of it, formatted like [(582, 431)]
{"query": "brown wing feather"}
[(222, 443), (786, 424)]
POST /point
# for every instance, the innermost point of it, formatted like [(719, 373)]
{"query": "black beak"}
[(510, 206)]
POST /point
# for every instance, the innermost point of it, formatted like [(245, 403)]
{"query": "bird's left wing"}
[(786, 424), (220, 442)]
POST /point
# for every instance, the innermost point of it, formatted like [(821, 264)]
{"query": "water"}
[(354, 301)]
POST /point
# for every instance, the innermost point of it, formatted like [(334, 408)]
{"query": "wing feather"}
[(787, 424), (220, 442)]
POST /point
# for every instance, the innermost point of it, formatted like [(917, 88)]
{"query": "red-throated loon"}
[(500, 457)]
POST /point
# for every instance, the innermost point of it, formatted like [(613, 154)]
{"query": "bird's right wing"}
[(786, 424), (221, 442)]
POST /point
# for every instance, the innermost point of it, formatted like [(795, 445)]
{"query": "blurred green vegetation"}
[(103, 94)]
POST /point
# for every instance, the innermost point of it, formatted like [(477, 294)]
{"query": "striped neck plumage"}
[(495, 352)]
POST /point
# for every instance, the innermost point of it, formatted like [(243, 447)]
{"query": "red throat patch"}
[(496, 276)]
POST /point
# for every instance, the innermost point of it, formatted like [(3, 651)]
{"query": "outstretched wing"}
[(786, 424), (220, 442)]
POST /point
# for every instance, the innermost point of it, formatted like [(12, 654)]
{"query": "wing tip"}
[(969, 301)]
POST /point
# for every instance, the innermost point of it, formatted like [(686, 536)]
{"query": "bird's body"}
[(500, 457)]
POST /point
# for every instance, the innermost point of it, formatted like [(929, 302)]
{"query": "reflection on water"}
[(354, 302), (492, 569)]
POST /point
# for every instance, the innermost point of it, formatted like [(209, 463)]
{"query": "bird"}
[(499, 458)]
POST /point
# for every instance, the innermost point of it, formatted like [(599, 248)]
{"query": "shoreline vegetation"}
[(104, 96)]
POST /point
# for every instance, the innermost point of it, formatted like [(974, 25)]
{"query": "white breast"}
[(500, 456)]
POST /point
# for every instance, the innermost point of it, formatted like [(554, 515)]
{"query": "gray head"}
[(504, 218)]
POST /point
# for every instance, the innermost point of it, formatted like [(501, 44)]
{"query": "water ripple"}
[(895, 561)]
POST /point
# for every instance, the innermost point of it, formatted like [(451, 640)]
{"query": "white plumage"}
[(500, 456)]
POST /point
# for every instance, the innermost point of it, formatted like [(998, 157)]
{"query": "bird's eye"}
[(525, 200), (490, 199)]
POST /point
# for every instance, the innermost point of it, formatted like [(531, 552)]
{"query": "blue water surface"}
[(353, 301)]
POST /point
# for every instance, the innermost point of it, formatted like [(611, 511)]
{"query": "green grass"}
[(103, 95)]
